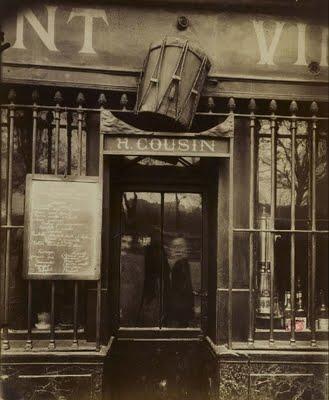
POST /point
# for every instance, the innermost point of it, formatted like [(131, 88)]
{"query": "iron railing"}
[(56, 139)]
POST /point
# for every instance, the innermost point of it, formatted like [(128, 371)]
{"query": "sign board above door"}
[(62, 231), (166, 146), (114, 39)]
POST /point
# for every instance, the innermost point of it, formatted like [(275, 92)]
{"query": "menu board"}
[(62, 231)]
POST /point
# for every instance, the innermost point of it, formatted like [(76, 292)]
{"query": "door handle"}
[(200, 293), (163, 385)]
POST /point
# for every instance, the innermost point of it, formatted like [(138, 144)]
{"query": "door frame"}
[(113, 132), (114, 258)]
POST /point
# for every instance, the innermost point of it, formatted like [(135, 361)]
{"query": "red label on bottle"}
[(300, 324)]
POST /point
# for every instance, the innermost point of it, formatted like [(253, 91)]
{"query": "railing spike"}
[(102, 101), (231, 104), (124, 101), (58, 97), (80, 99), (273, 106), (12, 95), (211, 104), (35, 96), (293, 107), (252, 105), (314, 108)]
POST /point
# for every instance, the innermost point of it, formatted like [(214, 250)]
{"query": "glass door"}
[(161, 259)]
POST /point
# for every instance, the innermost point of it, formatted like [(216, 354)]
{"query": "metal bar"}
[(28, 345), (41, 107), (118, 110), (292, 236), (80, 117), (1, 197), (265, 116), (75, 314), (99, 282), (5, 341), (80, 99), (309, 277), (309, 238), (230, 247), (50, 141), (313, 222), (316, 231), (57, 135), (52, 317), (231, 107), (34, 138), (251, 224), (69, 142), (285, 135), (11, 226), (230, 244), (272, 220), (98, 314), (161, 311)]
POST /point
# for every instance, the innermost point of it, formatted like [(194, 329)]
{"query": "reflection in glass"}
[(160, 262), (183, 242), (140, 261)]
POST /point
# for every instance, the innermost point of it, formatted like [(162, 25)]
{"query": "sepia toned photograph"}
[(164, 200)]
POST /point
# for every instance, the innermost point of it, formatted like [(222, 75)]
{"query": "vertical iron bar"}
[(98, 313), (99, 282), (313, 272), (80, 142), (69, 142), (273, 108), (28, 345), (10, 149), (293, 109), (34, 136), (50, 140), (75, 314), (80, 101), (161, 311), (58, 99), (252, 107), (231, 106), (1, 197), (52, 317), (309, 226), (57, 134)]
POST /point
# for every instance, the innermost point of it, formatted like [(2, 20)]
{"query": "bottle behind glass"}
[(300, 315), (287, 311), (322, 317)]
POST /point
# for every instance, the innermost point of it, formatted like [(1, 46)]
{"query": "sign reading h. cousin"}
[(122, 138), (166, 146), (116, 38)]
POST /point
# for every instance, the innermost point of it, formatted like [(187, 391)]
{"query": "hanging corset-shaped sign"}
[(171, 83)]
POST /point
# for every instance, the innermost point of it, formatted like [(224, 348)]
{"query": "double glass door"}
[(161, 259)]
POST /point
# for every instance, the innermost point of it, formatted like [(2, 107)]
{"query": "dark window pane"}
[(183, 244), (140, 261), (161, 260)]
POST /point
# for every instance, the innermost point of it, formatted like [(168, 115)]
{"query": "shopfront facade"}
[(164, 201)]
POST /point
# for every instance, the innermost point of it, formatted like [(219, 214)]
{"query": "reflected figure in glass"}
[(181, 301), (160, 261)]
